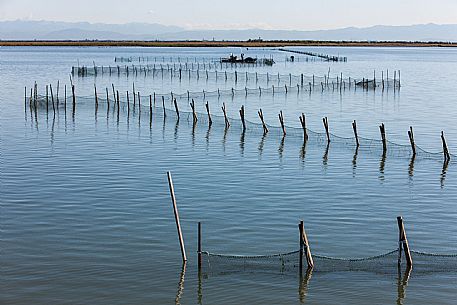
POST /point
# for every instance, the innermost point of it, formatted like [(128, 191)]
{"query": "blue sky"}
[(237, 14)]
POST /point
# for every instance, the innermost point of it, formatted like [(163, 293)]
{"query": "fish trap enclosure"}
[(289, 262), (207, 108), (295, 261), (311, 82)]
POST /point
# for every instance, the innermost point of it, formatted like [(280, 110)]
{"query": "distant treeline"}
[(204, 43)]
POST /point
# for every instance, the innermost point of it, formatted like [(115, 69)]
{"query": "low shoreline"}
[(190, 43)]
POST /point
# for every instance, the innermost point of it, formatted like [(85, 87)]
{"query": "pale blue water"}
[(86, 215)]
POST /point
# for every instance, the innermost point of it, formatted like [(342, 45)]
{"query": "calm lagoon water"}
[(86, 215)]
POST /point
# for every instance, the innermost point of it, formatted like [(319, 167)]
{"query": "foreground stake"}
[(403, 242), (175, 210)]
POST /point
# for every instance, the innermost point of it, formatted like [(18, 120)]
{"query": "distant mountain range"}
[(48, 30)]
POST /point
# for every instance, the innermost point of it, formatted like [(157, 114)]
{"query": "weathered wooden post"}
[(307, 250), (210, 122), (411, 140), (281, 120), (47, 99), (354, 127), (303, 125), (199, 247), (74, 97), (96, 96), (227, 123), (403, 243), (150, 110), (242, 117), (446, 153), (178, 224), (383, 138), (176, 108), (325, 120), (134, 95), (265, 129), (194, 114)]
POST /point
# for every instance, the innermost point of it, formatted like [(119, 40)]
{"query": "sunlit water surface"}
[(86, 215)]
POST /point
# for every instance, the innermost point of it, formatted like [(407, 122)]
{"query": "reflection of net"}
[(367, 145), (386, 263), (251, 79)]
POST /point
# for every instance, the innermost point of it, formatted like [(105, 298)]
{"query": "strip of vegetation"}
[(200, 43)]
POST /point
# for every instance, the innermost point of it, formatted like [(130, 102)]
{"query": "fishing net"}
[(322, 56), (250, 79), (386, 263), (159, 105)]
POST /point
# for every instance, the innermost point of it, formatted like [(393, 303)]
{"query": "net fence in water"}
[(164, 59), (164, 104), (386, 263), (249, 78)]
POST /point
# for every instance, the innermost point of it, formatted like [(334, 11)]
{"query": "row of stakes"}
[(152, 99), (340, 82)]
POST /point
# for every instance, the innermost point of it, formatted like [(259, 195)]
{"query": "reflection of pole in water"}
[(243, 133), (262, 143), (402, 283), (382, 165), (194, 123), (176, 131), (52, 128), (411, 166), (281, 147), (444, 171), (224, 139), (180, 284), (354, 161), (207, 136), (303, 285), (200, 287), (303, 151), (325, 157)]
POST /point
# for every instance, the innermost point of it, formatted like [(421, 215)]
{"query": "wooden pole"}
[(227, 123), (265, 129), (382, 128), (175, 210), (300, 229), (74, 97), (446, 153), (325, 120), (199, 249), (134, 95), (150, 109), (210, 122), (281, 120), (304, 240), (303, 125), (163, 106), (411, 140), (403, 242), (176, 108), (194, 114), (47, 99), (96, 96), (242, 117), (354, 127), (52, 98), (128, 102)]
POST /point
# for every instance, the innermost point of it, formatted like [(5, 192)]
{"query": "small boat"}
[(235, 60)]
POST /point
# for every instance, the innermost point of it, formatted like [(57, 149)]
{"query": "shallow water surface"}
[(86, 215)]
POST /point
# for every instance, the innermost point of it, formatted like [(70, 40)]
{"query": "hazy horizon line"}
[(190, 28)]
